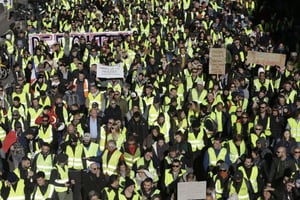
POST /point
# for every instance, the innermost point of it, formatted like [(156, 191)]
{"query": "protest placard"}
[(217, 60), (191, 190), (105, 71), (262, 58)]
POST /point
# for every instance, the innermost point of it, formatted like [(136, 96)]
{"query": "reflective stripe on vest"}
[(17, 194), (213, 158), (243, 193), (33, 115), (47, 135), (169, 178), (75, 158), (9, 46), (151, 167), (91, 152), (252, 178), (198, 98), (131, 159), (153, 114), (197, 143), (110, 167), (48, 194), (44, 165), (233, 151), (295, 128), (2, 133), (64, 178)]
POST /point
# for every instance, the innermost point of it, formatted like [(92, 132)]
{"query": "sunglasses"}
[(297, 152), (175, 166)]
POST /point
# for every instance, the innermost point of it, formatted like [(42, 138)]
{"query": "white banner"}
[(105, 71), (51, 39)]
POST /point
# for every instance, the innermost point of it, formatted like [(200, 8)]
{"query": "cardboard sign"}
[(51, 39), (105, 71), (262, 58), (217, 60), (191, 190)]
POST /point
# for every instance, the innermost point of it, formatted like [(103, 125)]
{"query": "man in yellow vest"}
[(293, 124), (251, 173), (14, 187), (45, 131), (198, 139), (43, 189), (147, 162), (111, 192), (236, 148), (76, 163), (60, 178), (81, 88), (91, 149), (171, 178), (44, 161), (214, 154), (131, 150), (239, 186), (221, 181), (110, 158), (199, 93)]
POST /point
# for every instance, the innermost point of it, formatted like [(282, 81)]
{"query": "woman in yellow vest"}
[(124, 172), (117, 136), (183, 123)]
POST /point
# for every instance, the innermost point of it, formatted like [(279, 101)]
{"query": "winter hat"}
[(129, 182)]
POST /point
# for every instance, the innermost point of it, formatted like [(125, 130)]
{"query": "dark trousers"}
[(76, 188)]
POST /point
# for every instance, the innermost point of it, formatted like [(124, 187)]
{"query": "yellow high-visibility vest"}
[(197, 143), (18, 193), (75, 158), (48, 194), (109, 167), (46, 135), (243, 192), (44, 165), (63, 178), (233, 152), (253, 177), (213, 158), (295, 128), (92, 151)]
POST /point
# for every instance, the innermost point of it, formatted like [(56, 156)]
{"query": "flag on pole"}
[(33, 76)]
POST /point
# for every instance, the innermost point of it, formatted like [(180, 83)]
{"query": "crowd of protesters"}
[(69, 134)]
